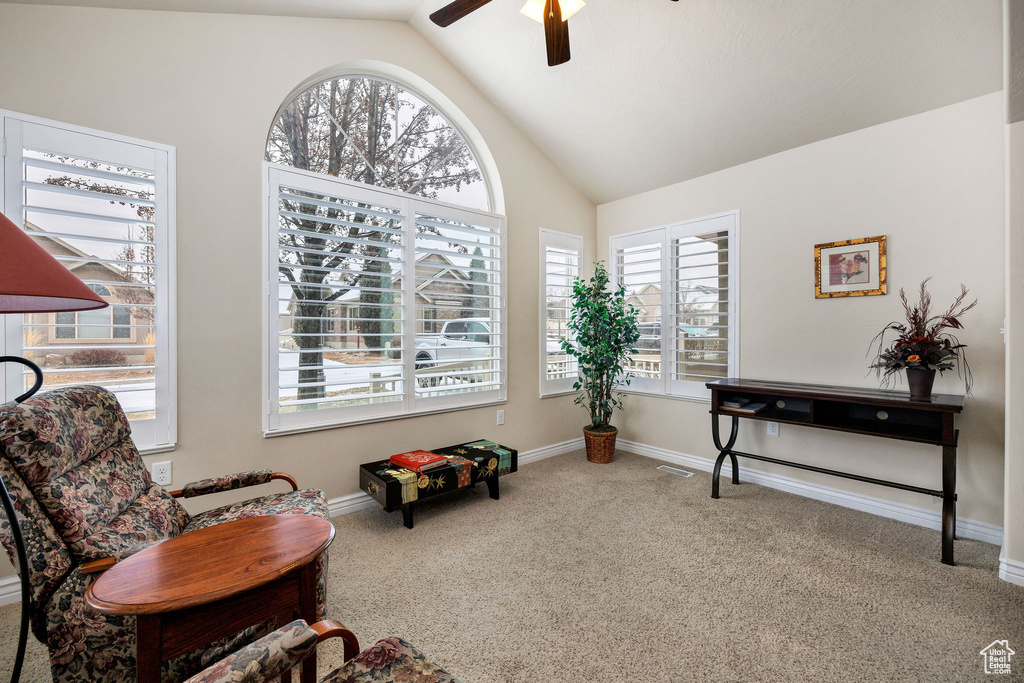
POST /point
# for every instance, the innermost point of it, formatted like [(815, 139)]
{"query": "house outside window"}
[(113, 322), (689, 270)]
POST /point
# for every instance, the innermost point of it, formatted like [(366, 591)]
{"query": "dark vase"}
[(920, 381)]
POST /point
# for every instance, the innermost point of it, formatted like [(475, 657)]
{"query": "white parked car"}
[(459, 339)]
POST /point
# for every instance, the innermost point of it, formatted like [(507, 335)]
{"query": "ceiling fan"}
[(555, 20)]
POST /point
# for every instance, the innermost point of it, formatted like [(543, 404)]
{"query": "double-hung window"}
[(102, 205), (380, 304), (682, 281), (560, 258)]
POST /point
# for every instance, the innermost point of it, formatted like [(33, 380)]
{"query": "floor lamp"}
[(32, 281)]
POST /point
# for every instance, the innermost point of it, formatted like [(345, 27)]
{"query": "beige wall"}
[(210, 85), (932, 183)]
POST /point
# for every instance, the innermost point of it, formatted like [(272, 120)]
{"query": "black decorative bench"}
[(468, 463)]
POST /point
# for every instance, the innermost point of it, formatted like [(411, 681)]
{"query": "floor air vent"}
[(674, 470)]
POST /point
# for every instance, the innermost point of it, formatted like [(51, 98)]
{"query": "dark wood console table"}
[(889, 414)]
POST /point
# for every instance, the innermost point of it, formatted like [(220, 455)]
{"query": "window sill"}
[(161, 448), (553, 394), (674, 397), (338, 425)]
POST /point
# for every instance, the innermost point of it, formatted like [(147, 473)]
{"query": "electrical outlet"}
[(773, 428), (501, 417), (162, 473)]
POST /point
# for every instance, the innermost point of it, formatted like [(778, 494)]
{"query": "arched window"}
[(389, 299), (376, 132)]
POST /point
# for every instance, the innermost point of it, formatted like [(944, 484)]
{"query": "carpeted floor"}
[(619, 572)]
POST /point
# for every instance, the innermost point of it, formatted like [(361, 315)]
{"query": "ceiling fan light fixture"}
[(534, 9)]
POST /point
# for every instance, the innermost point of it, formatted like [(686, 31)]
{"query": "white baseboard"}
[(10, 590), (1011, 571), (354, 502), (931, 519), (543, 452)]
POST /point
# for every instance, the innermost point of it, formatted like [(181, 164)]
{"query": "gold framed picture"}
[(850, 268)]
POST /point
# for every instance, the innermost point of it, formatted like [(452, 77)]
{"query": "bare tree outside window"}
[(373, 132)]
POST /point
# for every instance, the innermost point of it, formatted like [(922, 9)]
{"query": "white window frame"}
[(160, 433), (277, 424), (664, 235), (572, 243)]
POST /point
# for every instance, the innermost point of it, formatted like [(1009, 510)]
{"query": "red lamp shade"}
[(32, 281)]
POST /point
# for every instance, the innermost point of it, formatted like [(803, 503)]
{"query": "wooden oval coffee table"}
[(193, 589)]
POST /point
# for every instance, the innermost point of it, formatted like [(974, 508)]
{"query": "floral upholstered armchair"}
[(274, 656), (84, 500)]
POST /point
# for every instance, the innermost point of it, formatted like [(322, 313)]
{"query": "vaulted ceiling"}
[(658, 92)]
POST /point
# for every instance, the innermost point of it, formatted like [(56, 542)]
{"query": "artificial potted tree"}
[(924, 344), (603, 330)]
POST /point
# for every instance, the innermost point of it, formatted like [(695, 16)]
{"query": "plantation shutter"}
[(101, 205), (701, 280), (337, 301), (561, 255), (638, 266), (361, 281), (682, 281), (458, 278)]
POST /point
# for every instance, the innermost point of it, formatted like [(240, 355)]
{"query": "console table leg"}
[(948, 502), (407, 515), (716, 473), (715, 433), (492, 487), (723, 451)]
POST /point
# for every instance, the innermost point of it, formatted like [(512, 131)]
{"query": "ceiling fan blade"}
[(452, 12), (556, 33)]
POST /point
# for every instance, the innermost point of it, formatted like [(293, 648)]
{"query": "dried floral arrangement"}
[(925, 341)]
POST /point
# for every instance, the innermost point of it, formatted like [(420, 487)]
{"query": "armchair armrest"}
[(328, 628), (102, 564), (232, 481), (98, 566), (264, 660)]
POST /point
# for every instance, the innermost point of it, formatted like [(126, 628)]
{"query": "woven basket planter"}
[(600, 445)]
